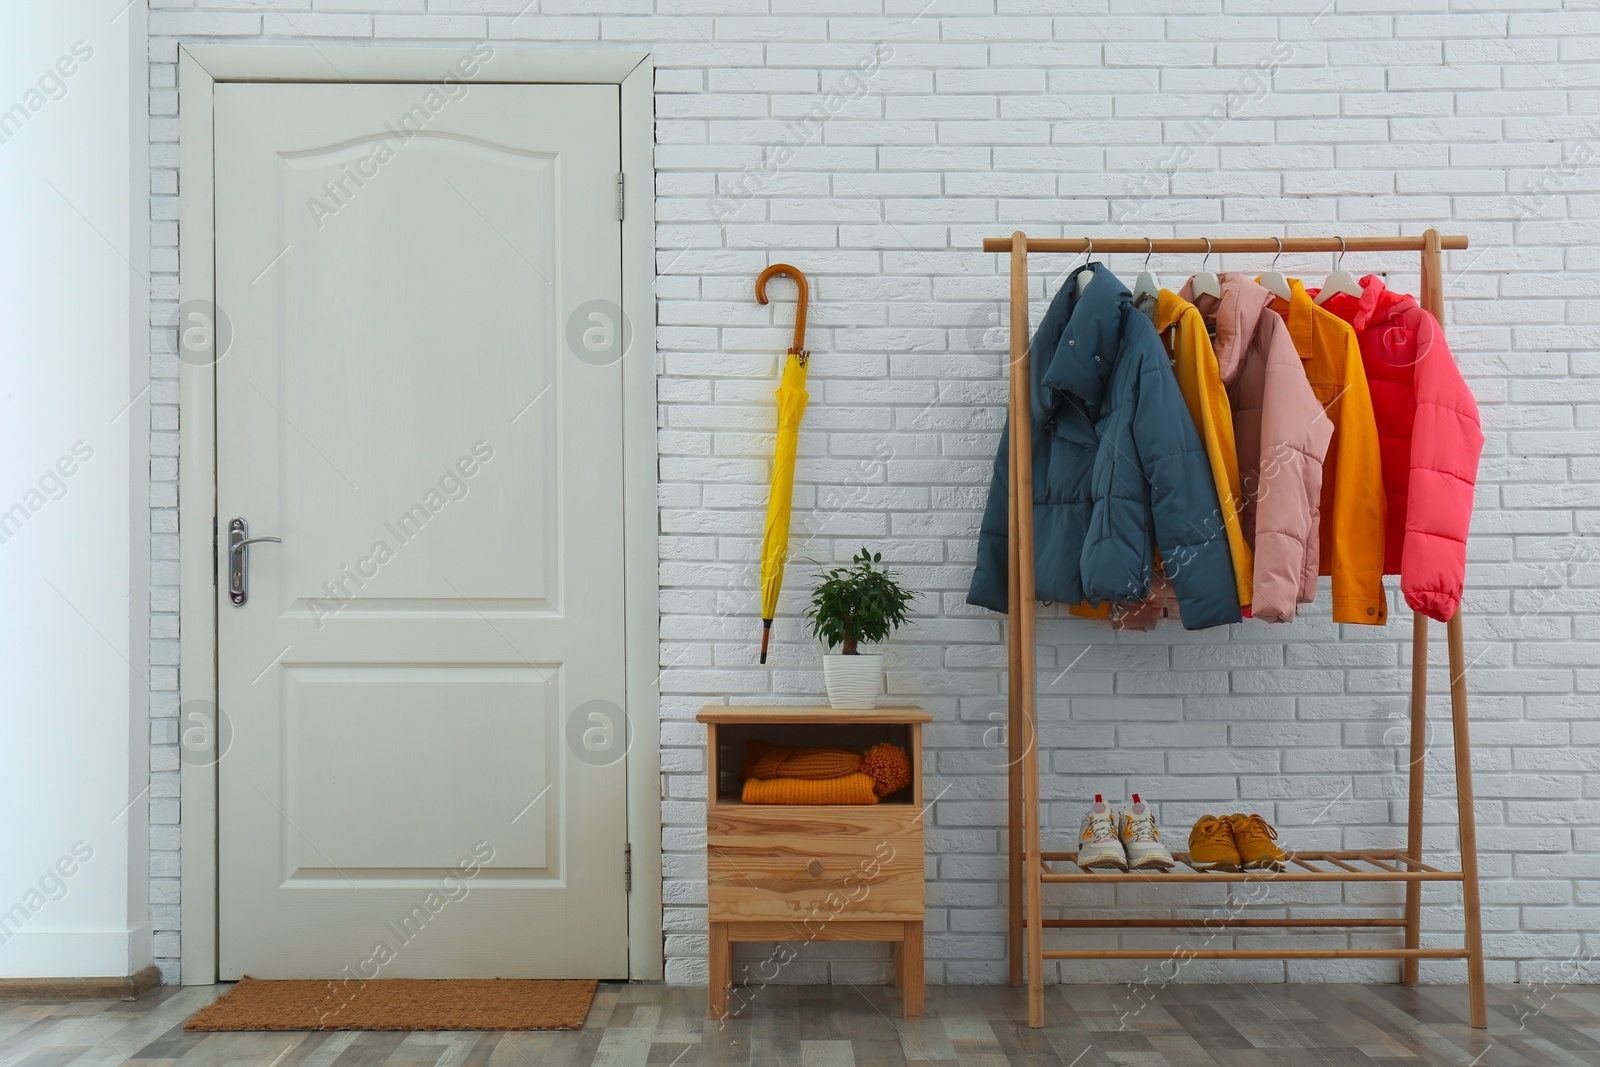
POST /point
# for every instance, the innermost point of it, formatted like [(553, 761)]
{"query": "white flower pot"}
[(853, 682)]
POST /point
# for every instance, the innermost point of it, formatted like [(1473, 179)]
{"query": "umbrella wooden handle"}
[(799, 348)]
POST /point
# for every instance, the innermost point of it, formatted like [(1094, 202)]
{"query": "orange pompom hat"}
[(888, 767)]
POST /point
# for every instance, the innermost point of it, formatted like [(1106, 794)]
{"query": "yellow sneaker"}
[(1253, 837), (1211, 846)]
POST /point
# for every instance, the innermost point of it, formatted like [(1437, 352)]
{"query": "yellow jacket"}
[(1353, 503), (1183, 331)]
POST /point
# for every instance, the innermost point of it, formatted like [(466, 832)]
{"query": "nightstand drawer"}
[(815, 863)]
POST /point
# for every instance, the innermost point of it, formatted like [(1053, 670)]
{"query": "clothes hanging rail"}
[(1220, 245), (1028, 865)]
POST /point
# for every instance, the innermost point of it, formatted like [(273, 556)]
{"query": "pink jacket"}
[(1429, 441), (1281, 434)]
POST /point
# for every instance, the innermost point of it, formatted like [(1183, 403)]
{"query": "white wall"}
[(74, 297), (982, 116)]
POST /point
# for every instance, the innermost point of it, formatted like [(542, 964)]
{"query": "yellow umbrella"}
[(792, 397)]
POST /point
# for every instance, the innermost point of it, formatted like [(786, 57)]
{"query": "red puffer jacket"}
[(1429, 442)]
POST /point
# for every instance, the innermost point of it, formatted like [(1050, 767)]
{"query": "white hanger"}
[(1146, 284), (1205, 283), (1273, 280), (1086, 276), (1339, 281)]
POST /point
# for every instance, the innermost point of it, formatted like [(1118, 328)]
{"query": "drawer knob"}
[(815, 867)]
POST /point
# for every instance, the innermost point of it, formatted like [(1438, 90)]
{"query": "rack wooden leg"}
[(1469, 826), (1014, 751), (721, 971), (1410, 969), (909, 957), (1432, 279), (1025, 680), (1032, 869)]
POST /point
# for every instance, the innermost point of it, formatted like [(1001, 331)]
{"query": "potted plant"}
[(861, 602)]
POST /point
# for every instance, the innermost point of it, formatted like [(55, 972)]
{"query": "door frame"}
[(200, 67)]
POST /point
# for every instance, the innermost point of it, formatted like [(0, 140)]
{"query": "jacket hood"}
[(1379, 302), (1376, 303), (1166, 308), (1235, 314), (1087, 349)]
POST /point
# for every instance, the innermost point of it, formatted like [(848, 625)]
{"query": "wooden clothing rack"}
[(1030, 869)]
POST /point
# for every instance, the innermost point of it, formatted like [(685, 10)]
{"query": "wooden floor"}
[(841, 1026)]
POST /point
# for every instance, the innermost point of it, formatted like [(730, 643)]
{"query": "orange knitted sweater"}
[(781, 775), (855, 788)]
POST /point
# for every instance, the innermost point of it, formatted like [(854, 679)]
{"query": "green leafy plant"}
[(861, 602)]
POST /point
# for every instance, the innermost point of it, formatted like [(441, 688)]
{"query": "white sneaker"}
[(1098, 846), (1142, 841)]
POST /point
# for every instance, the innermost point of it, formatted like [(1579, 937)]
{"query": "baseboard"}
[(132, 987)]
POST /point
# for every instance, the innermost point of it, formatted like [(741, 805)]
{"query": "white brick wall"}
[(970, 120)]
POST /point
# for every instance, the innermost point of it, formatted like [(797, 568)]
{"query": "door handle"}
[(239, 542)]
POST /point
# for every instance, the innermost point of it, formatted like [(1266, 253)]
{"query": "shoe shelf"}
[(1366, 866), (1030, 869), (1254, 953), (1380, 866)]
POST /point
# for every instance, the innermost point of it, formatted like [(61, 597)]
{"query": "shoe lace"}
[(1257, 829), (1213, 832), (1143, 828), (1100, 829)]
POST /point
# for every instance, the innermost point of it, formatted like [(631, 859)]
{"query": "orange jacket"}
[(1353, 504)]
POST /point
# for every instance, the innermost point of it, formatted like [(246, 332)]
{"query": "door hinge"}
[(627, 868), (213, 550), (619, 195)]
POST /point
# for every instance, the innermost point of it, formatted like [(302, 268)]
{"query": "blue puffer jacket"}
[(1117, 468)]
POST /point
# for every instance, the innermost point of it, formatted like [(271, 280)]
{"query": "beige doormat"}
[(400, 1004)]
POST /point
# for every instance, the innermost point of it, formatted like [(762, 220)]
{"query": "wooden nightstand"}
[(827, 872)]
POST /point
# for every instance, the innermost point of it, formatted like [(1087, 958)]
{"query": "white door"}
[(420, 396)]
